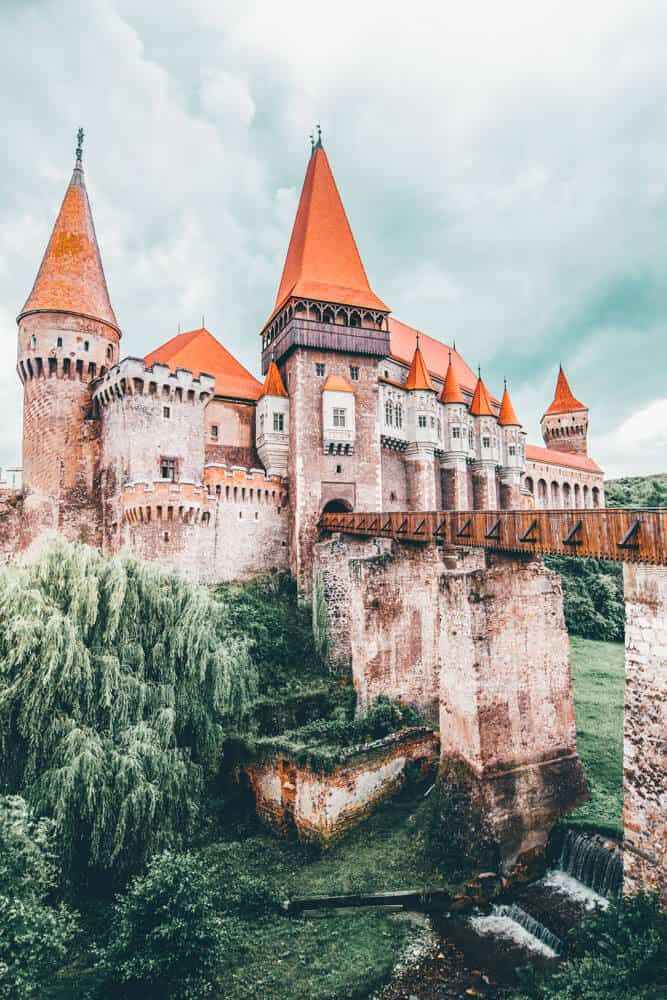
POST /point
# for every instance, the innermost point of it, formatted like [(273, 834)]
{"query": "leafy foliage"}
[(35, 933), (637, 491), (592, 597), (617, 954), (116, 684)]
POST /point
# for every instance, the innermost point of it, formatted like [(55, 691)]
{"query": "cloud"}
[(504, 168), (633, 446)]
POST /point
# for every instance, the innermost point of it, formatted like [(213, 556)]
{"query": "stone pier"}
[(645, 736), (477, 642)]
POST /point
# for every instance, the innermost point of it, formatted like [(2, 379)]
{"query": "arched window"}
[(567, 495), (585, 495), (529, 484), (555, 494), (355, 319), (577, 495), (328, 316), (596, 496), (399, 415), (542, 492)]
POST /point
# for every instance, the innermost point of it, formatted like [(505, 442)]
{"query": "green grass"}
[(598, 674)]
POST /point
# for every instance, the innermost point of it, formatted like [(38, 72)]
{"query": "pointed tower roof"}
[(564, 401), (418, 376), (198, 351), (451, 390), (481, 404), (507, 416), (323, 261), (71, 277), (273, 384)]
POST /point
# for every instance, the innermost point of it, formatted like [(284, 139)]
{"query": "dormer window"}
[(278, 422), (338, 417), (486, 442), (512, 450), (456, 432), (421, 420)]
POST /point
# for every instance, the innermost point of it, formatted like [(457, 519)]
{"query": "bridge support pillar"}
[(645, 731), (476, 641)]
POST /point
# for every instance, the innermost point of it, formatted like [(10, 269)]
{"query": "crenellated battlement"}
[(131, 377), (239, 485), (150, 503)]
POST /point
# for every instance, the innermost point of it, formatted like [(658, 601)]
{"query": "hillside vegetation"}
[(592, 588)]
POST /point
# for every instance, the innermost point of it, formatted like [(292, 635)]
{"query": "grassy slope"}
[(598, 675)]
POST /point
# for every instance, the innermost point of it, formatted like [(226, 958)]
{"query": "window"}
[(166, 412), (486, 442), (512, 450), (168, 469), (110, 352), (338, 417), (86, 345), (399, 415), (432, 421), (354, 373), (421, 420), (214, 431), (386, 373), (470, 439), (278, 422), (439, 430), (261, 422), (59, 342), (456, 432), (339, 468), (319, 369), (388, 413), (33, 341)]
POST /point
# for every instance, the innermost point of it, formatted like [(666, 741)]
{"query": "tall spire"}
[(507, 416), (323, 261), (564, 400), (71, 276), (418, 376), (451, 390), (481, 404), (273, 383)]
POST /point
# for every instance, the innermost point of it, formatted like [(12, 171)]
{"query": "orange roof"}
[(71, 277), (199, 351), (273, 384), (402, 343), (418, 376), (337, 383), (451, 390), (323, 261), (481, 404), (564, 401), (507, 416), (550, 456)]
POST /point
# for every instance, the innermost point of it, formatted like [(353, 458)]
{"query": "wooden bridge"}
[(623, 535)]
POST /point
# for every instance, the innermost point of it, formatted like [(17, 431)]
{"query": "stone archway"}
[(337, 506)]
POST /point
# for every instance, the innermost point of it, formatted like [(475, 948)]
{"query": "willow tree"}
[(116, 685)]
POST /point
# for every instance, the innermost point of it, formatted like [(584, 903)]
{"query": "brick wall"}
[(645, 746)]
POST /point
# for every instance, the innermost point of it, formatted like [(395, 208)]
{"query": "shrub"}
[(35, 933)]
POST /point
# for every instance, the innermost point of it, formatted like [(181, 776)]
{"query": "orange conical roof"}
[(418, 376), (200, 352), (323, 261), (451, 390), (71, 277), (507, 416), (273, 384), (564, 401), (481, 404)]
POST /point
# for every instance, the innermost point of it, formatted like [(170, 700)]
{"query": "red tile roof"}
[(550, 456), (273, 384), (507, 416), (337, 383), (71, 277), (481, 403), (199, 351), (564, 400), (403, 340), (323, 261), (418, 376), (451, 390)]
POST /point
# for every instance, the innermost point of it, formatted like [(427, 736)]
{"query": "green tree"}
[(116, 685), (35, 932)]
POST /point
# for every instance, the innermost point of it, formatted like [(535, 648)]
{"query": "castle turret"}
[(565, 424), (272, 427), (327, 321), (67, 336), (455, 443), (512, 451), (487, 449), (424, 433)]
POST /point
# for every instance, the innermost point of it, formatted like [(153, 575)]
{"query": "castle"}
[(184, 457)]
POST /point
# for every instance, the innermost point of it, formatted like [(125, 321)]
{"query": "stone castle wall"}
[(645, 744)]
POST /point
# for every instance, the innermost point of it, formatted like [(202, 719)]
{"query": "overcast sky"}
[(503, 166)]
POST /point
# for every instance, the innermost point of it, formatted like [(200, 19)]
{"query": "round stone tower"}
[(68, 335), (565, 424)]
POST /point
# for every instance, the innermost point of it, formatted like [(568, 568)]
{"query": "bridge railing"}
[(623, 535)]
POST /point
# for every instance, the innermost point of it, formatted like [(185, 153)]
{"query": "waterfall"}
[(589, 861), (510, 921)]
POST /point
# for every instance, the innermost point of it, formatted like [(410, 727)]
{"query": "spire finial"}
[(312, 143), (479, 371), (417, 344), (79, 147), (318, 144), (505, 383), (450, 357)]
